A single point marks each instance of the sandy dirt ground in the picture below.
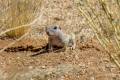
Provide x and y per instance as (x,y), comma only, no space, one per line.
(29,60)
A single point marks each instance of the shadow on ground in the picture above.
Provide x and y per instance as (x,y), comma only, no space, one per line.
(31,48)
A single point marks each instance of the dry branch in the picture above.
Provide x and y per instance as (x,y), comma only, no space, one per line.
(29,24)
(97,33)
(15,41)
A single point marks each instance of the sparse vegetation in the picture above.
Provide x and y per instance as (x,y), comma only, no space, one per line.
(17,13)
(106,25)
(19,18)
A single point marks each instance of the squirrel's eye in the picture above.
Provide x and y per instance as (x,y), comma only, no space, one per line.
(55,27)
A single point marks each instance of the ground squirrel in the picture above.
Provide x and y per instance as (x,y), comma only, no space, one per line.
(56,37)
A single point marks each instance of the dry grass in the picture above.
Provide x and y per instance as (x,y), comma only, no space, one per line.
(108,34)
(18,13)
(30,25)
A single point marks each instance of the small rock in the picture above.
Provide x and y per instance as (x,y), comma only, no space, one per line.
(43,67)
(30,67)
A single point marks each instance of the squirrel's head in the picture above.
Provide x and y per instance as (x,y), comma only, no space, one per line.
(53,30)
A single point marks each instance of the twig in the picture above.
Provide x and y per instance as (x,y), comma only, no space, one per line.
(100,40)
(30,24)
(15,41)
(92,26)
(26,25)
(116,37)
